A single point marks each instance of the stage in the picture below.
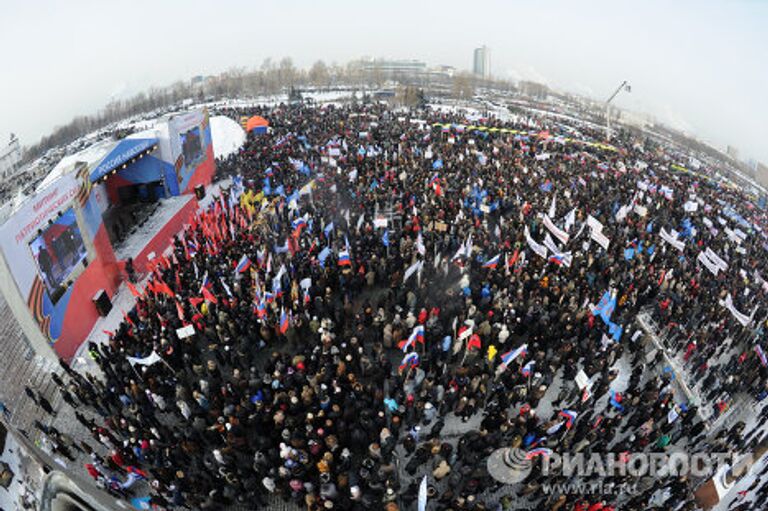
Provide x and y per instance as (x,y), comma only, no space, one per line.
(154,236)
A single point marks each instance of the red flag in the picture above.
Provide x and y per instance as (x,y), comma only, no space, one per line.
(474,342)
(162,287)
(196,301)
(180,311)
(209,296)
(132,288)
(514,258)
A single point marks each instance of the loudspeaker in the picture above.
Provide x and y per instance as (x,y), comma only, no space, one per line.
(200,192)
(102,302)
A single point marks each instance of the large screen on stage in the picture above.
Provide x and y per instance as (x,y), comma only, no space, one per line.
(57,250)
(191,145)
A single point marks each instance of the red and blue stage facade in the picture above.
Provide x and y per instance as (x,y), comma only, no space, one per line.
(56,249)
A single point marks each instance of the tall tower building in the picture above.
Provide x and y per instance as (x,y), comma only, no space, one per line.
(482,62)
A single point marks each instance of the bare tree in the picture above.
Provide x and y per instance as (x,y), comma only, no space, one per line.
(319,74)
(463,86)
(286,72)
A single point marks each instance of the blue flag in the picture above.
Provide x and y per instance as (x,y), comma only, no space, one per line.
(605,308)
(615,331)
(323,255)
(385,238)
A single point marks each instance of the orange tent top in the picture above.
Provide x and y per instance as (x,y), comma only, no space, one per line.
(256,121)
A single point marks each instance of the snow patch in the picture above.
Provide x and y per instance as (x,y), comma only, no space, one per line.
(228,136)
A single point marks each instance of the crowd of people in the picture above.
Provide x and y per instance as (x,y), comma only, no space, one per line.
(382,296)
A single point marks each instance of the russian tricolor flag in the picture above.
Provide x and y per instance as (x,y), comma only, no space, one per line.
(207,284)
(557,259)
(409,360)
(298,225)
(569,416)
(510,356)
(260,309)
(492,262)
(243,264)
(418,334)
(405,344)
(528,368)
(344,258)
(283,322)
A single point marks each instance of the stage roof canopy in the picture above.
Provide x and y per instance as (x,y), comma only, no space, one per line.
(121,154)
(105,156)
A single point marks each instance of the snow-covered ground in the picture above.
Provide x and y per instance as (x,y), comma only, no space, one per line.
(25,473)
(228,136)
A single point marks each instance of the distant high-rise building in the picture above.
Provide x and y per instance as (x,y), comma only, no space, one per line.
(482,62)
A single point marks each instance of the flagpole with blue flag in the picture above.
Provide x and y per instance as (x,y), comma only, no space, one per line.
(385,240)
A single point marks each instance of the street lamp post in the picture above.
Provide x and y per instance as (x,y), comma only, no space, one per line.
(624,86)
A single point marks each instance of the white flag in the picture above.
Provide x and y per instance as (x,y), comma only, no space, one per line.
(570,219)
(622,213)
(691,206)
(152,358)
(420,245)
(552,208)
(423,494)
(412,269)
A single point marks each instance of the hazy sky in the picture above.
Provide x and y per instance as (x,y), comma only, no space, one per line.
(697,65)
